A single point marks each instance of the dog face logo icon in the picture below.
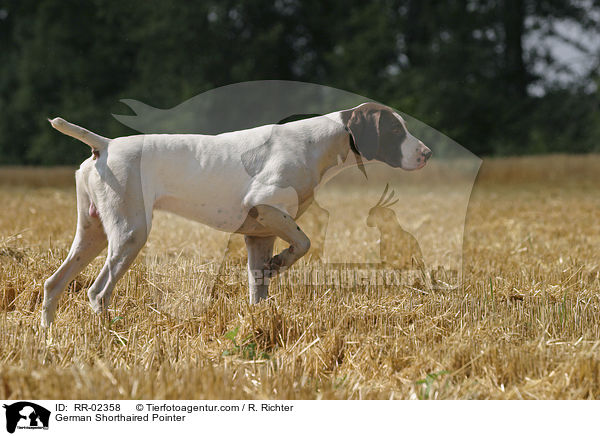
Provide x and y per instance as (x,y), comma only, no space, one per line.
(26,415)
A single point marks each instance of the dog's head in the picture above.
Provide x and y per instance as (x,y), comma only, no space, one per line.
(380,134)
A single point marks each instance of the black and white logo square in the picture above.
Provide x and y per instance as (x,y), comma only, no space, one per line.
(26,415)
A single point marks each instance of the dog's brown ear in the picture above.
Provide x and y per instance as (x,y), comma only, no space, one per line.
(376,132)
(363,125)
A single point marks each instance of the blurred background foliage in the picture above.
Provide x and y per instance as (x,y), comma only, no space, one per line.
(498,76)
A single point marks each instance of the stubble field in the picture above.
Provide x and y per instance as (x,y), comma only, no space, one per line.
(523,325)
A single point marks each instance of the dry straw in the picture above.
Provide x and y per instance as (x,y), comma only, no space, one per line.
(524,325)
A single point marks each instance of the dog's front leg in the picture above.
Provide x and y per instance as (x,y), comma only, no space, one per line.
(284,226)
(260,250)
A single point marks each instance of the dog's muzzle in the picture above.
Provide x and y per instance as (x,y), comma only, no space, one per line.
(423,155)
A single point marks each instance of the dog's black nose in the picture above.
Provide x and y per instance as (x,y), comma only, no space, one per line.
(427,154)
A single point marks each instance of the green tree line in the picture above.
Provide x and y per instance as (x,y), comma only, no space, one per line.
(481,71)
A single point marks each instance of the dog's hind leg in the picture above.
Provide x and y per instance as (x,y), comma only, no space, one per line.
(284,226)
(126,237)
(88,243)
(260,250)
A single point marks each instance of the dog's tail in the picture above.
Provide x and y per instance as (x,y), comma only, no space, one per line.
(97,142)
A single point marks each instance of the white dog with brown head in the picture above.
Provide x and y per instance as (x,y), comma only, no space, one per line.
(255,182)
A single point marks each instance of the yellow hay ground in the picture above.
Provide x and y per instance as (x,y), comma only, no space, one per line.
(525,323)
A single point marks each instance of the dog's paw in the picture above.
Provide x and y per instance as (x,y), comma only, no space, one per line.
(273,266)
(45,320)
(47,315)
(97,305)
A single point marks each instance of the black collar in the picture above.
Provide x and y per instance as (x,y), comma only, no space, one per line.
(359,161)
(352,144)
